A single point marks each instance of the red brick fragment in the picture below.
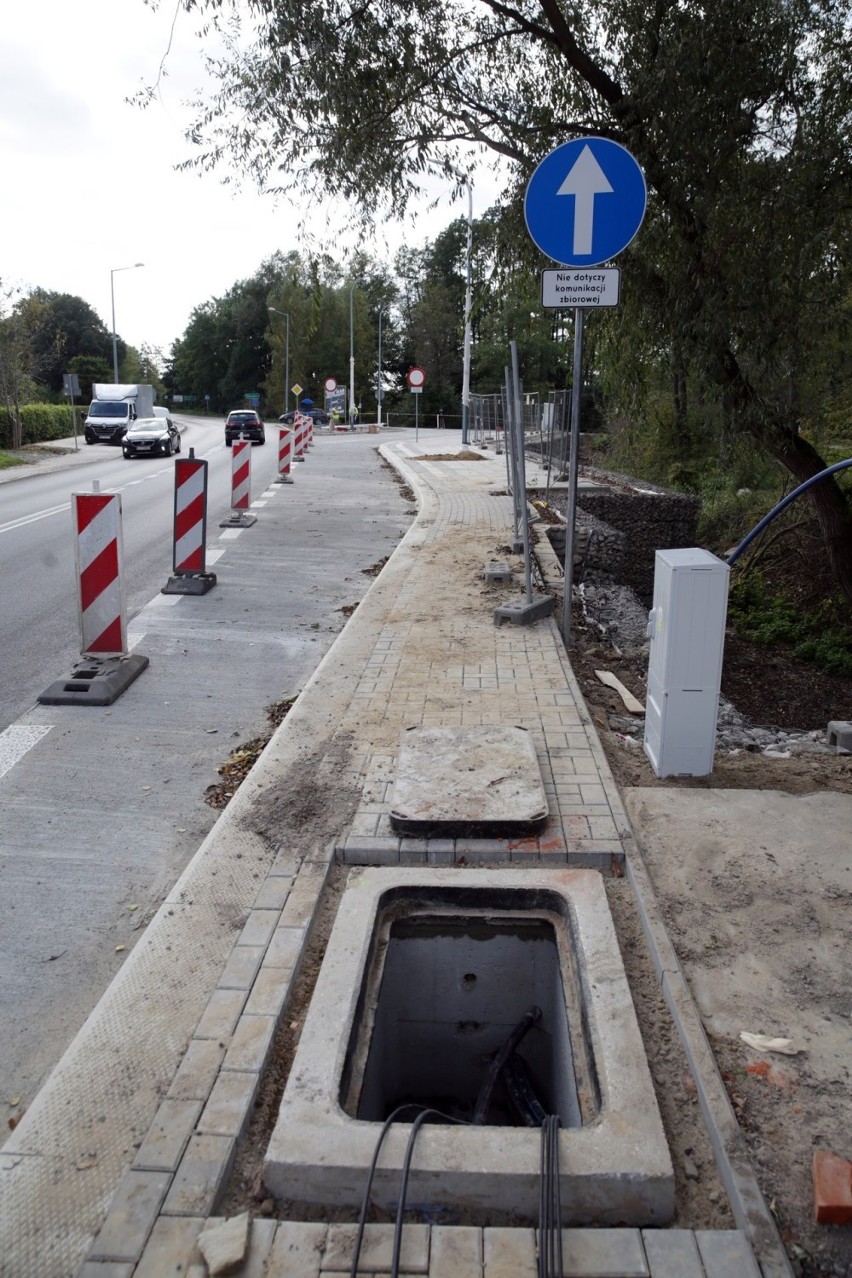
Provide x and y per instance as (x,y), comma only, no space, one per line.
(832,1188)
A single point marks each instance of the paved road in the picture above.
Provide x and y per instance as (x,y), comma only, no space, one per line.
(99,817)
(39,632)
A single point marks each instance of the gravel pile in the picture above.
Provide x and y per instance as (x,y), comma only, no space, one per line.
(619,615)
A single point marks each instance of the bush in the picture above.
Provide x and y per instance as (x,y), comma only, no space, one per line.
(821,635)
(40,422)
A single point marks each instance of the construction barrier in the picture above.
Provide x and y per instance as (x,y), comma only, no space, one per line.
(240,486)
(299,438)
(190,530)
(241,474)
(100,593)
(105,668)
(285,453)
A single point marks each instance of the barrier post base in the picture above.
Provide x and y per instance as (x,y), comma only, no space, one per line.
(524,614)
(197,583)
(95,681)
(239,519)
(284,479)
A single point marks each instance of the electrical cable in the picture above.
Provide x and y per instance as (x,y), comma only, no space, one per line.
(522,1097)
(365,1201)
(531,1017)
(548,1204)
(403,1189)
(550,1207)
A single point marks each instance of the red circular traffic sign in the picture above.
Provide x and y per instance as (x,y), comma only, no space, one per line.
(415,377)
(330,384)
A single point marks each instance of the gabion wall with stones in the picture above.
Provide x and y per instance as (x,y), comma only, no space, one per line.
(651,519)
(606,555)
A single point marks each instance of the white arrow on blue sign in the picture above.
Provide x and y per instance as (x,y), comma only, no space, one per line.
(585,202)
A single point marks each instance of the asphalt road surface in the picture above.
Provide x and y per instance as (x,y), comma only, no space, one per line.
(101,808)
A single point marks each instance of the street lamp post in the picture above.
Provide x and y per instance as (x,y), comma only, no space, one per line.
(351,357)
(112,298)
(379,377)
(286,355)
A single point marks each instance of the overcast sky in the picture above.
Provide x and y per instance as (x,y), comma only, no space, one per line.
(89,182)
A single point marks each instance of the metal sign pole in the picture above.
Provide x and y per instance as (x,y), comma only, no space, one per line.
(511,453)
(571,513)
(521,470)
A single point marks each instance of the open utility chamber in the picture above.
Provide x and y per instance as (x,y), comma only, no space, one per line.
(433,978)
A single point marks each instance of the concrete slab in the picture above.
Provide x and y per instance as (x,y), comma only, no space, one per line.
(478,780)
(616,1168)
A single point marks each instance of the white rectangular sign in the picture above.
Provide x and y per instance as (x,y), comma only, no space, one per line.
(589,287)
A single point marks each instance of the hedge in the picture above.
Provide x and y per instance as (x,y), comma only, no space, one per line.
(41,421)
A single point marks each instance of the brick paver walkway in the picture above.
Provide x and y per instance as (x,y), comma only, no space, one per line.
(421,650)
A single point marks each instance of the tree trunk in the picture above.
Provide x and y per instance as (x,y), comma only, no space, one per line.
(780,437)
(830,503)
(679,402)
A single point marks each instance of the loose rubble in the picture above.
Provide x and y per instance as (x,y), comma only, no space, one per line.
(620,617)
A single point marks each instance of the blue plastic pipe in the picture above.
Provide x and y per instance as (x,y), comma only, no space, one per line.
(782,505)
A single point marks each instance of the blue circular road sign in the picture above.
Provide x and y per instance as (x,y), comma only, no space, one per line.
(585,202)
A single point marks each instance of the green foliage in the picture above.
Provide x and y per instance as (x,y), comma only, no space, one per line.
(62,326)
(736,316)
(822,635)
(40,422)
(7,460)
(89,369)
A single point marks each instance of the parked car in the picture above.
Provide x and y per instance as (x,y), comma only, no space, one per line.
(319,416)
(244,423)
(151,435)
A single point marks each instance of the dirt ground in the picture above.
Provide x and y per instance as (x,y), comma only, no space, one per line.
(762,926)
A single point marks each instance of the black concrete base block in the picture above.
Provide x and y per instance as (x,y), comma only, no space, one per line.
(284,479)
(95,681)
(197,584)
(524,614)
(241,520)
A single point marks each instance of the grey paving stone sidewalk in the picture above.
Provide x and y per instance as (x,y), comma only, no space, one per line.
(421,649)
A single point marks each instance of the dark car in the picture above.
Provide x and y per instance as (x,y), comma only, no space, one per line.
(151,436)
(244,423)
(318,415)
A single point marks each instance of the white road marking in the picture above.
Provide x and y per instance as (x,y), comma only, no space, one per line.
(213,555)
(34,517)
(17,740)
(134,638)
(230,534)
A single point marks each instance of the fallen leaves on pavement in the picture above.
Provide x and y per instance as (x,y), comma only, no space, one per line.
(239,763)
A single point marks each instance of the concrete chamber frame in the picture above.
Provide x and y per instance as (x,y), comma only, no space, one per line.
(486,946)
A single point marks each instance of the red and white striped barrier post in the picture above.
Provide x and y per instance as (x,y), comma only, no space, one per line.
(190,530)
(105,669)
(285,453)
(240,486)
(299,438)
(100,593)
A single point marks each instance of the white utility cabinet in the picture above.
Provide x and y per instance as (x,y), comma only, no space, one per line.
(686,627)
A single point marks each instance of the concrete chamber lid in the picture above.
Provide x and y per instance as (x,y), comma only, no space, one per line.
(480,780)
